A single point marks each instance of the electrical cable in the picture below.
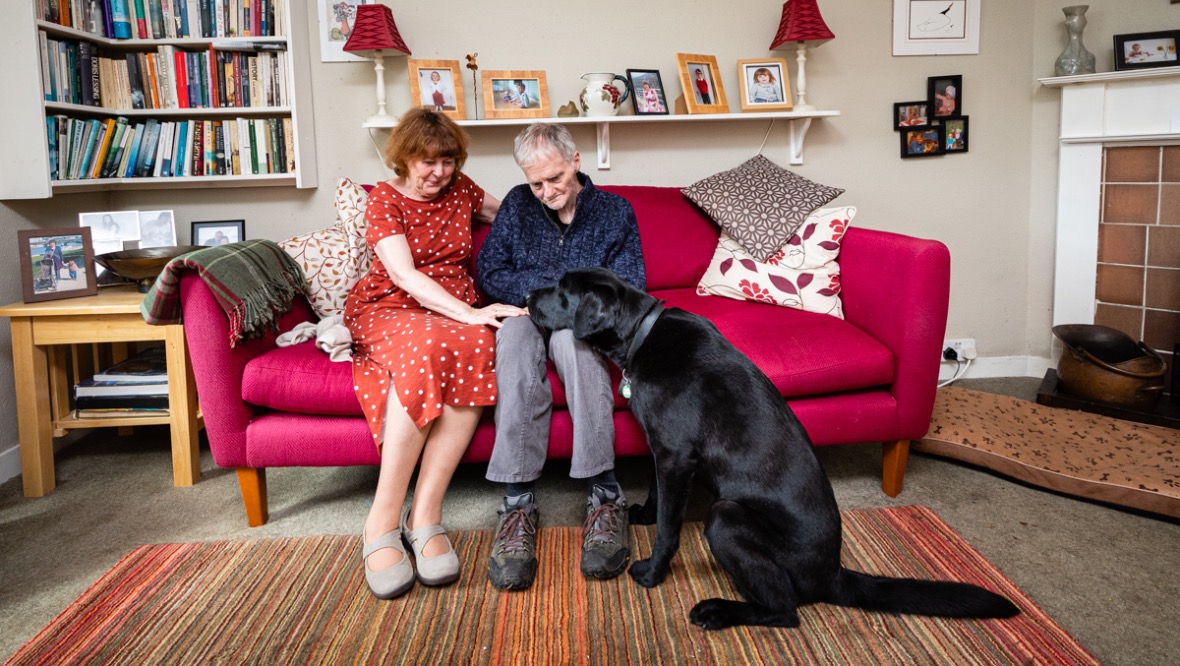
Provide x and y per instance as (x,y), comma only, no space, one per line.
(766,136)
(959,372)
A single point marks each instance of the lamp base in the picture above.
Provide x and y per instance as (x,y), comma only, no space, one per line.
(804,108)
(380,120)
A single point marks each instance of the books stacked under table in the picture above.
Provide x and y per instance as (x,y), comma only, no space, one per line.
(135,387)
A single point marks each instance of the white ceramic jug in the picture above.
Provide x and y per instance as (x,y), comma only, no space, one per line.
(602,96)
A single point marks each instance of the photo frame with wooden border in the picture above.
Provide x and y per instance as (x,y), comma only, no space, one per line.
(943,92)
(773,94)
(935,27)
(1146,50)
(910,114)
(923,141)
(504,90)
(645,103)
(692,99)
(956,132)
(438,85)
(218,232)
(69,275)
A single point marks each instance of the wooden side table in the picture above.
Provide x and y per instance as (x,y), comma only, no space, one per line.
(39,331)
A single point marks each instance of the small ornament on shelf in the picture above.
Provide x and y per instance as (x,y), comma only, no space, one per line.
(474,67)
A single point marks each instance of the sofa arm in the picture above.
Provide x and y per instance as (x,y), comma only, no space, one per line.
(218,368)
(897,289)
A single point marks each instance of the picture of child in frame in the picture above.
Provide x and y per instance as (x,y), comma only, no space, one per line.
(764,85)
(437,90)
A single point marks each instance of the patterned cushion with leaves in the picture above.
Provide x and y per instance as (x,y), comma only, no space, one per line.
(759,204)
(804,274)
(334,258)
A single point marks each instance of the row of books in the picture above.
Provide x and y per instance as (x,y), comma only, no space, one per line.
(75,72)
(114,148)
(167,19)
(137,386)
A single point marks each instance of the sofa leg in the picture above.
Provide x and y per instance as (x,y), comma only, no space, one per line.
(252,481)
(893,466)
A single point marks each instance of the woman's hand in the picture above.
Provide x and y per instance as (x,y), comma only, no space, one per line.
(492,314)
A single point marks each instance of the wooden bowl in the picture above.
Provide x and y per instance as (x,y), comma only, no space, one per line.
(142,266)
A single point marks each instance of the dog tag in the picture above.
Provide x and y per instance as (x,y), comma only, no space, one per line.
(625,388)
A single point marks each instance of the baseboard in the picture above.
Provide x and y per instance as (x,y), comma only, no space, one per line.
(10,458)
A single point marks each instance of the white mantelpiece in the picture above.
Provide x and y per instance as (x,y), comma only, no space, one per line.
(1139,107)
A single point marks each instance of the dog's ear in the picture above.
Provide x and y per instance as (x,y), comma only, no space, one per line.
(592,316)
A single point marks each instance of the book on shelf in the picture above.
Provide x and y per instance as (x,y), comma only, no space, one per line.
(120,20)
(148,366)
(91,387)
(119,413)
(121,401)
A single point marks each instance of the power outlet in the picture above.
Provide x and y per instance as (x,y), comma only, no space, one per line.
(959,349)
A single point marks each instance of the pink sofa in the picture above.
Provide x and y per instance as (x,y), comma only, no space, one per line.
(868,378)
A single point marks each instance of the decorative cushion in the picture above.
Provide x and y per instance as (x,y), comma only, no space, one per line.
(804,274)
(334,258)
(759,204)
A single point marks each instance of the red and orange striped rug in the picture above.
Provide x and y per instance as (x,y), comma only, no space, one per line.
(304,601)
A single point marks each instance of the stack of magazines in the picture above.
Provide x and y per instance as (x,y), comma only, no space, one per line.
(135,387)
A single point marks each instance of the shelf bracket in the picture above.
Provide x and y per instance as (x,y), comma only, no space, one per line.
(603,145)
(798,128)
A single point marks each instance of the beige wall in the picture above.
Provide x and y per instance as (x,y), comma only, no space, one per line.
(994,206)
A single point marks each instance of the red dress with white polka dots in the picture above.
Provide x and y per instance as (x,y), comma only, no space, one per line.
(429,358)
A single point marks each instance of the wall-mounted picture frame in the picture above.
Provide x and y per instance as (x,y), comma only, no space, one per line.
(438,85)
(764,84)
(910,114)
(56,263)
(955,132)
(944,94)
(935,27)
(157,228)
(218,232)
(112,225)
(647,92)
(336,18)
(923,141)
(1145,50)
(514,93)
(700,79)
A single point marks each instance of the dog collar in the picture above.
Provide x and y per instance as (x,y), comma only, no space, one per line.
(649,320)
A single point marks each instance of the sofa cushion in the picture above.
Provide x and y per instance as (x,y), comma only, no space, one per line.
(804,274)
(759,203)
(300,379)
(335,257)
(803,353)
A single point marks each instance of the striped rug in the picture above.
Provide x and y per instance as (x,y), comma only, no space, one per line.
(304,601)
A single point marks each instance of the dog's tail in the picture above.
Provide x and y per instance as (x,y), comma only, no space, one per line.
(918,597)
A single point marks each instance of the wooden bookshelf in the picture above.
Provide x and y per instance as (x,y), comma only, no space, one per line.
(281,108)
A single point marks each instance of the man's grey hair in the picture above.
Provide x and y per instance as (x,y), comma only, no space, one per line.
(540,140)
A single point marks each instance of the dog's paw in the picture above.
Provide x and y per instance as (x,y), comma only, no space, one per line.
(644,573)
(638,514)
(711,614)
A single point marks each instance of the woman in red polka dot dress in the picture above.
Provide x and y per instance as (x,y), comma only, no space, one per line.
(423,352)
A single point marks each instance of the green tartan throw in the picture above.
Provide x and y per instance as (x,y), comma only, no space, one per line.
(254,281)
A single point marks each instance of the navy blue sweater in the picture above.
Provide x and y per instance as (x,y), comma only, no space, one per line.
(526,249)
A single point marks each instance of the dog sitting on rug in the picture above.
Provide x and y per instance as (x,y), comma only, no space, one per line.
(711,415)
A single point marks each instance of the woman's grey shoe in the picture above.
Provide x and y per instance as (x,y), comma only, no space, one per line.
(605,548)
(392,581)
(513,564)
(436,570)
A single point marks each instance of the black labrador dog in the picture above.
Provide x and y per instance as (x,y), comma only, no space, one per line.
(711,415)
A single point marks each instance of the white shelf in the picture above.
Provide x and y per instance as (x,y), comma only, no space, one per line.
(1100,77)
(798,124)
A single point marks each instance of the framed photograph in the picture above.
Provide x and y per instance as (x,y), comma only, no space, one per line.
(647,92)
(56,263)
(1145,49)
(438,85)
(944,94)
(218,232)
(157,228)
(336,17)
(955,132)
(513,93)
(910,114)
(923,141)
(700,79)
(120,225)
(935,27)
(764,84)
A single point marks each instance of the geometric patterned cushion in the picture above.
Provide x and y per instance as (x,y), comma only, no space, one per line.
(334,258)
(759,204)
(804,274)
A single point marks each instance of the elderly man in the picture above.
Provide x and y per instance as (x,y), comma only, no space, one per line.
(555,222)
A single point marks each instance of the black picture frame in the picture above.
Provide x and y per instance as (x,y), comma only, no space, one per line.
(44,279)
(206,233)
(940,89)
(903,113)
(931,141)
(640,103)
(1146,50)
(956,132)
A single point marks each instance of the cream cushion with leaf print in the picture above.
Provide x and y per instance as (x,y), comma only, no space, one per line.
(334,258)
(804,274)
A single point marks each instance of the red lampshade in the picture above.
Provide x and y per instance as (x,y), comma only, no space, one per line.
(374,30)
(801,22)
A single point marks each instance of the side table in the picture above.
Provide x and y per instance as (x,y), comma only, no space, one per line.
(39,331)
